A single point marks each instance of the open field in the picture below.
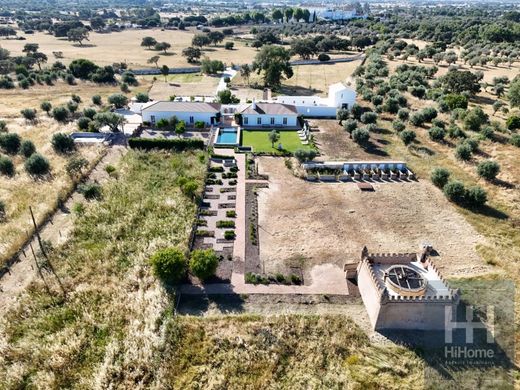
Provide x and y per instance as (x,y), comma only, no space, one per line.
(125,46)
(21,191)
(183,85)
(259,141)
(318,223)
(307,80)
(111,325)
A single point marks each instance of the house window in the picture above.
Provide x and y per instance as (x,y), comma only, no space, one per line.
(272,121)
(246,120)
(192,119)
(285,121)
(152,119)
(259,121)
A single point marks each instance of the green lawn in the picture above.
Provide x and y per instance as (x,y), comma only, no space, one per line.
(259,141)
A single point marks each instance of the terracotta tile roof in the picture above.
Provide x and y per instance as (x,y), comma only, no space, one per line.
(165,106)
(270,109)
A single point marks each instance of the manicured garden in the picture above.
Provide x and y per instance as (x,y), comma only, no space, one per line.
(259,141)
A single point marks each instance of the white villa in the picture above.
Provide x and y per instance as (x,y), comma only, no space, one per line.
(268,115)
(340,96)
(190,112)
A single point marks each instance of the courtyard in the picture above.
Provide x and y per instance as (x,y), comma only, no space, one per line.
(306,225)
(259,141)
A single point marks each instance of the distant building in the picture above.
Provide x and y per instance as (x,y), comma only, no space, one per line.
(190,112)
(340,96)
(402,290)
(271,115)
(337,14)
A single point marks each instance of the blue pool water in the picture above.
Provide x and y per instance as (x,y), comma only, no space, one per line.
(227,136)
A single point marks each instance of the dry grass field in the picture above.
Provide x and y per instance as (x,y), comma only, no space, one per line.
(183,85)
(317,223)
(21,191)
(125,46)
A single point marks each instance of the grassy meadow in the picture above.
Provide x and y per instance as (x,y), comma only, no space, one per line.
(259,141)
(109,327)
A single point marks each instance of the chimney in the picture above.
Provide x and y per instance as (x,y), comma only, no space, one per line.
(267,94)
(253,105)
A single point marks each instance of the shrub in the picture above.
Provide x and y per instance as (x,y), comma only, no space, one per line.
(78,208)
(488,169)
(190,188)
(6,166)
(96,99)
(142,97)
(177,144)
(118,100)
(10,143)
(369,117)
(199,124)
(37,165)
(361,136)
(229,235)
(456,101)
(75,166)
(513,122)
(90,191)
(89,113)
(3,126)
(83,123)
(110,169)
(417,119)
(203,263)
(62,143)
(454,191)
(463,152)
(476,196)
(407,136)
(231,214)
(350,125)
(29,114)
(403,114)
(169,265)
(225,224)
(440,177)
(487,132)
(229,45)
(303,155)
(515,140)
(429,113)
(437,134)
(455,131)
(60,114)
(27,148)
(377,100)
(474,119)
(398,125)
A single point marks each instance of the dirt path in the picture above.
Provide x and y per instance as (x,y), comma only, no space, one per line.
(57,231)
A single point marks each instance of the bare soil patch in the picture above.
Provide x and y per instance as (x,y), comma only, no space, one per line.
(316,223)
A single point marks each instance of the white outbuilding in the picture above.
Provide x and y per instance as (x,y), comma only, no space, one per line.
(189,112)
(269,115)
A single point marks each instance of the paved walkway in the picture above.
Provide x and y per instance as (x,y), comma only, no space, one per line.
(327,279)
(229,72)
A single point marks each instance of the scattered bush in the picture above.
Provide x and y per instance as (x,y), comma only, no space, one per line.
(303,155)
(10,143)
(475,196)
(203,263)
(6,166)
(463,152)
(90,191)
(75,166)
(429,113)
(361,136)
(398,125)
(3,126)
(169,265)
(515,140)
(96,99)
(417,119)
(437,134)
(369,117)
(29,114)
(403,114)
(440,177)
(229,235)
(350,125)
(62,143)
(513,122)
(407,136)
(118,100)
(3,212)
(488,169)
(454,191)
(27,148)
(83,123)
(60,114)
(37,165)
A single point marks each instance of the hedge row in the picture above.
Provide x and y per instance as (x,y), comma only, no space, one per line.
(177,144)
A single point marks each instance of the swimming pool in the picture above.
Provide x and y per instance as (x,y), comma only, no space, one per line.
(227,136)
